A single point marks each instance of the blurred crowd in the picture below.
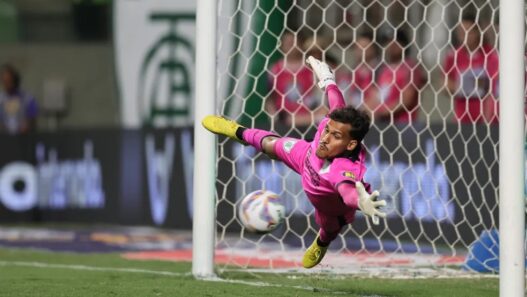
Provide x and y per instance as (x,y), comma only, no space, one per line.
(384,78)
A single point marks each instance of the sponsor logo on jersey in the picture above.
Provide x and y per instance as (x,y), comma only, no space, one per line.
(288,145)
(349,174)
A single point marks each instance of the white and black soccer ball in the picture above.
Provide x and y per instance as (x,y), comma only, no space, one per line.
(261,211)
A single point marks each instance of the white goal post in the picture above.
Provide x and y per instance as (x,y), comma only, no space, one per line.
(439,174)
(512,135)
(203,233)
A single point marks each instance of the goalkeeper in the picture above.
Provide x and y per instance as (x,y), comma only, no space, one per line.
(332,165)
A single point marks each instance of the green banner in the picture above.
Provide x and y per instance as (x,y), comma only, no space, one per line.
(268,24)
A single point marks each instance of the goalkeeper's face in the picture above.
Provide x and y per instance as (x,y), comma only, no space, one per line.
(335,140)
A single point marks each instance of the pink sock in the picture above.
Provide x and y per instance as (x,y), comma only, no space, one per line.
(254,137)
(327,237)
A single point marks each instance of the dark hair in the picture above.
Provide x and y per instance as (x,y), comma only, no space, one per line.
(366,34)
(402,38)
(329,58)
(14,74)
(299,35)
(399,35)
(359,121)
(469,16)
(360,125)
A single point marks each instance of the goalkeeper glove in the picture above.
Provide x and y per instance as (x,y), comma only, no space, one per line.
(322,71)
(368,205)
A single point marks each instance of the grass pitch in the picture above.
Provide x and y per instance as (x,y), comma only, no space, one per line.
(39,273)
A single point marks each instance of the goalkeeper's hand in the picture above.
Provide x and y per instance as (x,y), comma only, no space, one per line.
(368,205)
(322,71)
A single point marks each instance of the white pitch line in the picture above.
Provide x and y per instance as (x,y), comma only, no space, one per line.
(264,284)
(377,273)
(166,273)
(89,268)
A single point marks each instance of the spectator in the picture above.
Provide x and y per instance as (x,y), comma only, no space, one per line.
(18,109)
(395,97)
(471,71)
(366,55)
(292,99)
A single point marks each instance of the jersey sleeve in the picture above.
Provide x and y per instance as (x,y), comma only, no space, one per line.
(335,97)
(343,176)
(344,170)
(349,195)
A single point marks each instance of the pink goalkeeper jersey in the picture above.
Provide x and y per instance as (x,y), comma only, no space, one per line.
(321,178)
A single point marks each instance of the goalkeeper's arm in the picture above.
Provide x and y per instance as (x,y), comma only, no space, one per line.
(357,197)
(322,71)
(327,82)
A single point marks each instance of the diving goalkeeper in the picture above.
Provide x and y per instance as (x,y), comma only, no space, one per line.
(332,166)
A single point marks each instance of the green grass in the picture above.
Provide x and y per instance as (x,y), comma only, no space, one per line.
(67,274)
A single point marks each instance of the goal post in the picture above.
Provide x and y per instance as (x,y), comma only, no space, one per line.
(439,173)
(204,206)
(512,141)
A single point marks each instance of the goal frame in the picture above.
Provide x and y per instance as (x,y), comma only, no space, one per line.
(203,229)
(512,137)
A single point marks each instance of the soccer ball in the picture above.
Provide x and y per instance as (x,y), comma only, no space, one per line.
(261,211)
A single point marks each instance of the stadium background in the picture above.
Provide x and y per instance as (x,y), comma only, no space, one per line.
(115,83)
(100,124)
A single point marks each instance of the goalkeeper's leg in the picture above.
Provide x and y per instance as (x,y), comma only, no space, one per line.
(289,150)
(262,140)
(329,230)
(222,126)
(314,253)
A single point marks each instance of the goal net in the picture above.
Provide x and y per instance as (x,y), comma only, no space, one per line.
(432,148)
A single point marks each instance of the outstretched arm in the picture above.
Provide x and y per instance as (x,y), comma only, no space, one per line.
(335,97)
(327,82)
(349,195)
(357,197)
